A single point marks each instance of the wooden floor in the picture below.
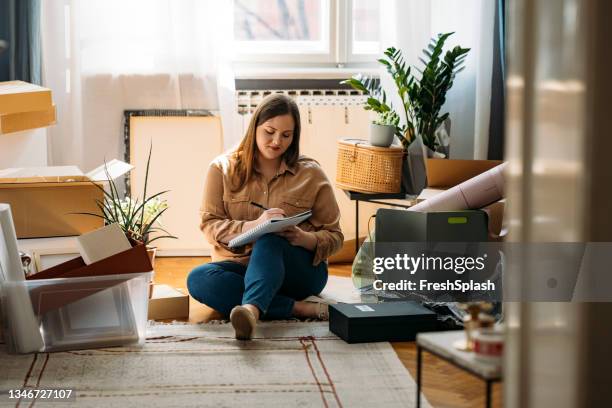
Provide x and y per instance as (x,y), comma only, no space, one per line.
(444,384)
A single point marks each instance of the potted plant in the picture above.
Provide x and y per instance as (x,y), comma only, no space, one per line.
(386,125)
(139,218)
(422,99)
(383,129)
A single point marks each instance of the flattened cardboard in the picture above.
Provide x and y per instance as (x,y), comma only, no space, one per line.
(445,173)
(168,303)
(19,96)
(16,122)
(53,296)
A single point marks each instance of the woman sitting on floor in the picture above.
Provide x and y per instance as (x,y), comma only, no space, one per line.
(270,278)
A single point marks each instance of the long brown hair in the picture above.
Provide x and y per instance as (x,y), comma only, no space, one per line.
(246,153)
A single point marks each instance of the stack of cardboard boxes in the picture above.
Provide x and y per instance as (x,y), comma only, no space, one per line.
(47,203)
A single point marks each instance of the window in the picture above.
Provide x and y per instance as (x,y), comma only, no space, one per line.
(365,27)
(281,27)
(314,31)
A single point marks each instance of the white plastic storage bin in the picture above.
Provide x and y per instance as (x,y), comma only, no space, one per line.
(75,313)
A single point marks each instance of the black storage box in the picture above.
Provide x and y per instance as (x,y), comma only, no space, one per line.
(390,321)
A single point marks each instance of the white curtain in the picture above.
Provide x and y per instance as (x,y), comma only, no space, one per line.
(102,57)
(410,24)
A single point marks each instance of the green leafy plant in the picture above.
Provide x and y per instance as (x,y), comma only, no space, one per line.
(429,93)
(138,218)
(387,118)
(422,98)
(370,86)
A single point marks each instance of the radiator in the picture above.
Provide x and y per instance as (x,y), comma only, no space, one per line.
(326,116)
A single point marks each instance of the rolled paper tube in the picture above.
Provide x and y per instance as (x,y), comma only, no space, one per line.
(477,192)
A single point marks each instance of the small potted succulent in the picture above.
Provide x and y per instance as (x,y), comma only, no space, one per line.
(383,129)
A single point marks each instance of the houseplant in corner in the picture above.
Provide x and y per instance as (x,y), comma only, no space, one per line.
(421,98)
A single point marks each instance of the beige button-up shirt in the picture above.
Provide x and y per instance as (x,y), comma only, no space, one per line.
(294,189)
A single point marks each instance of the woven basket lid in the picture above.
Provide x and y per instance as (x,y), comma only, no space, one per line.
(365,144)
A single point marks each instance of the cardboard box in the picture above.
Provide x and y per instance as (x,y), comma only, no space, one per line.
(445,173)
(44,201)
(15,122)
(168,303)
(19,96)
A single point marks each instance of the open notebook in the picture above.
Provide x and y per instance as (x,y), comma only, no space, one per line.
(274,225)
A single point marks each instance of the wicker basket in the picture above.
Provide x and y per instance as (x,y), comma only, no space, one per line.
(368,169)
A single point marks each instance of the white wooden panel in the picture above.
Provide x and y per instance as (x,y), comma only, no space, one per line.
(183,148)
(24,149)
(320,136)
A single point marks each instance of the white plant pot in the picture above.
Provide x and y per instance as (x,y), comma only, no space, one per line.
(381,135)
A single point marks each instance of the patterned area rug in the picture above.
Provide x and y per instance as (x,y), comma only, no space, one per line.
(289,364)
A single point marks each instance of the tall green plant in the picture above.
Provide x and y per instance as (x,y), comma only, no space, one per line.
(138,219)
(422,98)
(429,93)
(404,80)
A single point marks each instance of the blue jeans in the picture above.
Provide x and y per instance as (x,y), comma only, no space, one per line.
(277,275)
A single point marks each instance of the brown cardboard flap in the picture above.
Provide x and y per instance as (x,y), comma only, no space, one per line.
(495,213)
(446,173)
(49,297)
(48,174)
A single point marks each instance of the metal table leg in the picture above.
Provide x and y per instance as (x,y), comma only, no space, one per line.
(489,387)
(356,226)
(419,364)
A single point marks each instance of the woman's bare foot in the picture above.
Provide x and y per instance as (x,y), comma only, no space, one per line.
(310,310)
(244,319)
(253,309)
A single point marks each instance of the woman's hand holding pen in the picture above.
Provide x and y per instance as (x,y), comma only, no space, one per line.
(268,214)
(298,237)
(295,235)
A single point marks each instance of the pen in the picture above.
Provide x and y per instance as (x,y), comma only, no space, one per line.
(259,205)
